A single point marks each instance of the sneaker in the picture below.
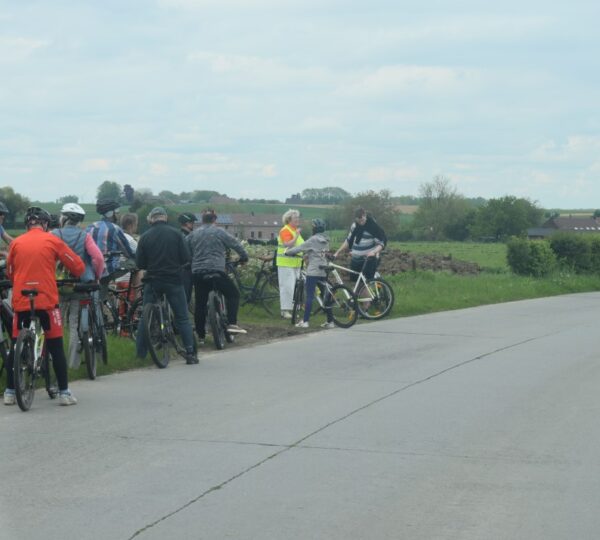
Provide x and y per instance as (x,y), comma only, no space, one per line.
(190,358)
(286,315)
(66,398)
(235,329)
(328,325)
(9,397)
(302,324)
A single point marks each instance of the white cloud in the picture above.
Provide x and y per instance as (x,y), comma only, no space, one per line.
(97,164)
(576,148)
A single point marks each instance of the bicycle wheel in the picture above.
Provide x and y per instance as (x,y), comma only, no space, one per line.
(215,320)
(24,369)
(110,316)
(268,295)
(343,305)
(47,371)
(3,354)
(375,299)
(131,324)
(299,301)
(158,345)
(101,343)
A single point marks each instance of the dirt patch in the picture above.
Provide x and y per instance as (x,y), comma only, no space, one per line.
(395,261)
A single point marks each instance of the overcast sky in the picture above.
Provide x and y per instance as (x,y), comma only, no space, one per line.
(264,98)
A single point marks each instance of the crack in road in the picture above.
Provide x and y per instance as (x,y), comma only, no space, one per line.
(298,443)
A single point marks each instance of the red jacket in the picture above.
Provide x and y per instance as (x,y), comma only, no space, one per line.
(31,264)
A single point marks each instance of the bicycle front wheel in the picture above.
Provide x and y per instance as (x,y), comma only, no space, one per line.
(24,369)
(269,293)
(50,380)
(215,319)
(375,299)
(343,305)
(156,340)
(299,301)
(131,325)
(89,353)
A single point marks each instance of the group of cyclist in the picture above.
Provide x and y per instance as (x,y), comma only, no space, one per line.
(173,262)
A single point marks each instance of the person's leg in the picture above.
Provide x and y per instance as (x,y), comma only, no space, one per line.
(232,298)
(56,351)
(202,289)
(326,301)
(140,339)
(74,357)
(177,300)
(287,280)
(311,282)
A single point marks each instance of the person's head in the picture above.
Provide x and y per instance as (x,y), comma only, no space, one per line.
(54,222)
(360,216)
(3,211)
(318,226)
(129,223)
(36,217)
(157,214)
(209,216)
(72,214)
(108,208)
(291,217)
(187,220)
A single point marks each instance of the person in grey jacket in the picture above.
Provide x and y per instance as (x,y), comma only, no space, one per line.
(315,249)
(208,245)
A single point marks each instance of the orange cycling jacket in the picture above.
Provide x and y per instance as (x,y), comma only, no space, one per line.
(31,264)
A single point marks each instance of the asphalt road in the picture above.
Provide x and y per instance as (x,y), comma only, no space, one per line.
(474,424)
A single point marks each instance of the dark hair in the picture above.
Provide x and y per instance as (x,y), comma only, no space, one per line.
(359,212)
(128,220)
(209,216)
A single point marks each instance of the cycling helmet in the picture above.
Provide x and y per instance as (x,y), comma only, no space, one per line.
(187,217)
(54,222)
(3,208)
(318,225)
(104,206)
(73,212)
(36,215)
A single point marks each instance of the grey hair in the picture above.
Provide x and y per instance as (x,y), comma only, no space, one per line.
(287,217)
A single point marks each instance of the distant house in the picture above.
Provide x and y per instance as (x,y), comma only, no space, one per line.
(573,224)
(259,227)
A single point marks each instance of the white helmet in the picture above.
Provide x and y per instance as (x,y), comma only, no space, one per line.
(73,212)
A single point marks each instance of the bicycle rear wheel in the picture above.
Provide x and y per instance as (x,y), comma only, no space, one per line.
(268,295)
(343,305)
(50,380)
(110,316)
(299,301)
(215,320)
(131,325)
(24,369)
(156,341)
(89,354)
(375,299)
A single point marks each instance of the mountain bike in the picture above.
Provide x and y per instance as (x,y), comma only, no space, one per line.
(375,296)
(338,298)
(217,313)
(6,321)
(32,359)
(265,289)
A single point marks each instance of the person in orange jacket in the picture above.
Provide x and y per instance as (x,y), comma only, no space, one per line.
(31,264)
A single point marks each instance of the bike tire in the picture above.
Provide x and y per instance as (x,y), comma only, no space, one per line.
(156,341)
(268,295)
(131,325)
(4,348)
(215,320)
(89,354)
(381,297)
(299,301)
(50,380)
(343,305)
(110,316)
(101,343)
(24,369)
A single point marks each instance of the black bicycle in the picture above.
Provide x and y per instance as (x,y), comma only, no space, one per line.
(217,313)
(32,359)
(265,289)
(6,322)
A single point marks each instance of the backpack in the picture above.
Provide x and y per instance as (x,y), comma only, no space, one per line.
(62,272)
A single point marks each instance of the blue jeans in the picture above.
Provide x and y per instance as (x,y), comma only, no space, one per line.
(175,294)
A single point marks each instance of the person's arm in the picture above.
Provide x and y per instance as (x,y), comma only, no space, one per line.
(185,255)
(9,262)
(6,237)
(305,246)
(95,254)
(141,261)
(292,237)
(230,242)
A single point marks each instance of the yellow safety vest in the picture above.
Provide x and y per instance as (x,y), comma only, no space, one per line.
(282,258)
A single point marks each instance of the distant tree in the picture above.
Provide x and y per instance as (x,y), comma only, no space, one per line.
(596,213)
(505,217)
(296,198)
(203,195)
(167,195)
(17,204)
(128,193)
(68,199)
(109,190)
(442,211)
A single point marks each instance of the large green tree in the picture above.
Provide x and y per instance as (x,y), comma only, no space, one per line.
(442,213)
(109,190)
(17,204)
(505,217)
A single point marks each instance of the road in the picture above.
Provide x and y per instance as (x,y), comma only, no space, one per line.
(473,424)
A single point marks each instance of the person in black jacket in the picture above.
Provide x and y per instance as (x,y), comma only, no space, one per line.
(365,240)
(163,252)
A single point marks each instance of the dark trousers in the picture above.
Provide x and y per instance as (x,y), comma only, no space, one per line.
(176,297)
(356,264)
(202,288)
(311,283)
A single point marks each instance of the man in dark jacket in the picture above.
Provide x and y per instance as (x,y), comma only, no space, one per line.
(366,239)
(162,252)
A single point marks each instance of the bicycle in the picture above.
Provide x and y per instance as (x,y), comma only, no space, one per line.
(6,322)
(32,359)
(120,312)
(217,313)
(338,298)
(375,296)
(158,328)
(264,290)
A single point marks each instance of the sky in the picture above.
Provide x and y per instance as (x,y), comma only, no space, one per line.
(265,98)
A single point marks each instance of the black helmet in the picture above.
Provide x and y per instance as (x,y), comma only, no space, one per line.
(318,225)
(3,208)
(104,206)
(54,222)
(187,217)
(37,215)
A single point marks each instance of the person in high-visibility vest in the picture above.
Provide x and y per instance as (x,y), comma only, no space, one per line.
(288,267)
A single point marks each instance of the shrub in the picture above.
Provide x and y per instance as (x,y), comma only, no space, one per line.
(530,257)
(573,251)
